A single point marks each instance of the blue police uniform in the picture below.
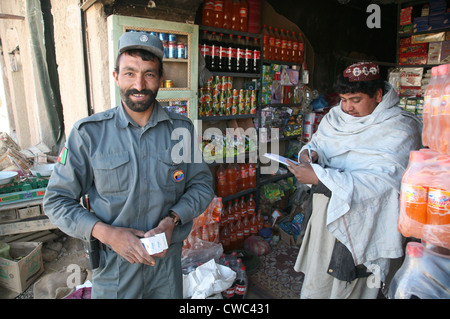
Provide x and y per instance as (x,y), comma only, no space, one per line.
(132,181)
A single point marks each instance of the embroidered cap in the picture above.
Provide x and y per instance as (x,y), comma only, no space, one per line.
(141,40)
(362,71)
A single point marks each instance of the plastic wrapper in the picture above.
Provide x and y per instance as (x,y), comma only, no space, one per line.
(423,275)
(202,244)
(207,280)
(199,252)
(438,235)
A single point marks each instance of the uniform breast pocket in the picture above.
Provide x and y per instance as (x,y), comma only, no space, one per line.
(112,173)
(171,176)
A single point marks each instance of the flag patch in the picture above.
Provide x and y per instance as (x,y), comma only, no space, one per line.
(63,156)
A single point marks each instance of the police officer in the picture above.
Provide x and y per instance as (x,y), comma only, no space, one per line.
(122,159)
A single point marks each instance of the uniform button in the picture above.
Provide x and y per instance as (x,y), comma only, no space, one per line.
(330,270)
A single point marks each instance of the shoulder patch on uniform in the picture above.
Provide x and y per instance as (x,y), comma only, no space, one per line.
(63,156)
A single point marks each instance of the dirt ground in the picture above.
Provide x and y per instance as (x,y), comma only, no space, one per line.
(60,256)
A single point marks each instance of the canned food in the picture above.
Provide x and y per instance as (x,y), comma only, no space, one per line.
(168,83)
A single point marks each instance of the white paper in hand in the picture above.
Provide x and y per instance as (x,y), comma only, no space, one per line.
(155,244)
(278,158)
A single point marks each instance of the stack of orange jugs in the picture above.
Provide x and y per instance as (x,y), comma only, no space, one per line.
(239,221)
(425,189)
(282,45)
(226,14)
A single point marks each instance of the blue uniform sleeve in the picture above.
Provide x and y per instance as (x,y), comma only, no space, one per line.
(70,180)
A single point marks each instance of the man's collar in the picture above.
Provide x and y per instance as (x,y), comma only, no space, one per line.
(158,115)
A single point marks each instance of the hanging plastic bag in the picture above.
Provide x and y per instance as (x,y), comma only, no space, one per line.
(207,280)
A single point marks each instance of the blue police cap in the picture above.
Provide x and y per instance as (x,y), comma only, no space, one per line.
(141,40)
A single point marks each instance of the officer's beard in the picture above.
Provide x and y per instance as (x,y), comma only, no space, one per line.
(138,106)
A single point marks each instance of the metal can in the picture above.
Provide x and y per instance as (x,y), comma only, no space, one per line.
(172,37)
(166,49)
(172,50)
(180,50)
(168,83)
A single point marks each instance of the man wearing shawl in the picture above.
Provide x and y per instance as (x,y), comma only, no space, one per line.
(358,156)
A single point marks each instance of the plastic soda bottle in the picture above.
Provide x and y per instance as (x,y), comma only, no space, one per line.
(239,234)
(236,6)
(208,12)
(253,225)
(241,284)
(205,233)
(266,44)
(246,223)
(233,236)
(229,292)
(227,12)
(244,176)
(295,48)
(230,213)
(301,48)
(260,220)
(221,182)
(243,16)
(251,205)
(444,119)
(243,207)
(288,46)
(414,194)
(218,209)
(272,43)
(283,45)
(224,217)
(438,212)
(251,175)
(436,97)
(237,210)
(277,51)
(231,180)
(408,272)
(218,14)
(429,91)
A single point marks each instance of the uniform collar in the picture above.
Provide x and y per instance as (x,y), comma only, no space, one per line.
(158,115)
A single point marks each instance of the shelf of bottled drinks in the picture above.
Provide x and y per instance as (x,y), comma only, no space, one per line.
(232,49)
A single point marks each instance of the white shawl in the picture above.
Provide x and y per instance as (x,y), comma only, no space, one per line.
(362,160)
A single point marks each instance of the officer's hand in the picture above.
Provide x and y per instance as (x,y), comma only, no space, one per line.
(124,241)
(166,226)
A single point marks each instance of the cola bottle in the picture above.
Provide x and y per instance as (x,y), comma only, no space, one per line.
(225,54)
(248,56)
(232,64)
(240,284)
(229,292)
(205,49)
(240,50)
(256,56)
(215,52)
